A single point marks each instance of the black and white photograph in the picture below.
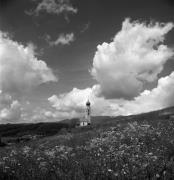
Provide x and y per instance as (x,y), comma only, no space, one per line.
(86,89)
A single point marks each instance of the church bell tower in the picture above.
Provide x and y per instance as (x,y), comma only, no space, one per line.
(86,119)
(88,112)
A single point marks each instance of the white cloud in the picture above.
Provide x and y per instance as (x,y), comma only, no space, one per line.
(63,39)
(20,70)
(53,7)
(136,55)
(160,97)
(73,102)
(10,110)
(5,99)
(40,114)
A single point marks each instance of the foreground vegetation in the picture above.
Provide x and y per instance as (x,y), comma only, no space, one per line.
(127,150)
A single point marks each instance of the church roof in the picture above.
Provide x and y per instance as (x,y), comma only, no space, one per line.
(88,103)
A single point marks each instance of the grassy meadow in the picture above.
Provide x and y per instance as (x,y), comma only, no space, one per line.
(134,147)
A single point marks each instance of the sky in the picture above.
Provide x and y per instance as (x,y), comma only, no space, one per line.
(57,54)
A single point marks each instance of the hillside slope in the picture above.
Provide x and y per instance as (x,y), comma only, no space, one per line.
(125,147)
(51,128)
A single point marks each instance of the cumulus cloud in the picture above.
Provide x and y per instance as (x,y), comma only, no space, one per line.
(10,110)
(46,115)
(5,99)
(73,102)
(20,70)
(53,7)
(160,97)
(63,39)
(136,55)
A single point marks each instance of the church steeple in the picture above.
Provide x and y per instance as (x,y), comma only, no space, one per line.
(88,112)
(88,103)
(86,120)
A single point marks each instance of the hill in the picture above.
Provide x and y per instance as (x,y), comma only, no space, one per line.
(125,147)
(152,117)
(51,128)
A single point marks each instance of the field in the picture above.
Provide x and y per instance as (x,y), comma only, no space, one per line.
(133,147)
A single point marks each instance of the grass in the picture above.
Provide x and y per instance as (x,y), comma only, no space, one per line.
(140,148)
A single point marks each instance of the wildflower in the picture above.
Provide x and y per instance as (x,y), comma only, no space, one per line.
(50,153)
(109,170)
(155,157)
(5,158)
(6,167)
(115,174)
(13,152)
(73,154)
(157,175)
(26,149)
(39,158)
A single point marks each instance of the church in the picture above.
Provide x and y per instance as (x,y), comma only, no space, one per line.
(86,120)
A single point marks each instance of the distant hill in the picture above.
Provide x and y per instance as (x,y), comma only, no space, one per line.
(19,130)
(149,117)
(51,128)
